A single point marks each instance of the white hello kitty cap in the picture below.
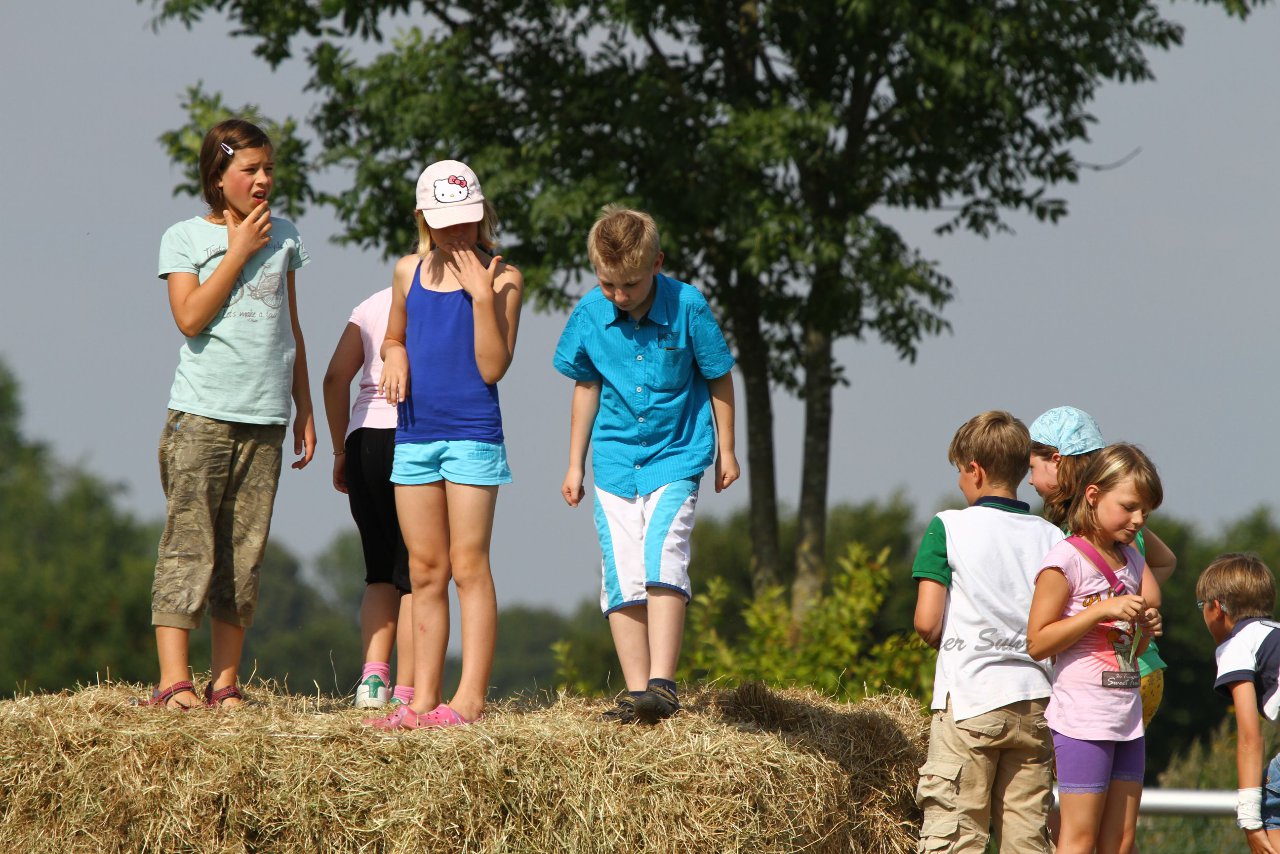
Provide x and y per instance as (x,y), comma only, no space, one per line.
(449,193)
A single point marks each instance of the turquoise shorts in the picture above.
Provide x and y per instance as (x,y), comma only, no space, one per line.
(455,460)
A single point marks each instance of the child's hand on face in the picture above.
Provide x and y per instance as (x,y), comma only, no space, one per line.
(246,236)
(475,277)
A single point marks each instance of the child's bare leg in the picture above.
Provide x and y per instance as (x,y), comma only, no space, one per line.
(666,632)
(378,611)
(424,523)
(404,642)
(1081,817)
(173,647)
(1120,818)
(630,630)
(228,643)
(470,530)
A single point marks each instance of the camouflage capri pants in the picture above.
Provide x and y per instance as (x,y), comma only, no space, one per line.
(220,480)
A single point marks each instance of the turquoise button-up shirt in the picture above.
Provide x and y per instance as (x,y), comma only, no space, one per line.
(655,424)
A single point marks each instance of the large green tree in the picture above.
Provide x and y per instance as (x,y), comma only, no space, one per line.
(770,140)
(76,571)
(74,568)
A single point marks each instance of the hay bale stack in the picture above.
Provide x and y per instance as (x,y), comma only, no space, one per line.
(747,769)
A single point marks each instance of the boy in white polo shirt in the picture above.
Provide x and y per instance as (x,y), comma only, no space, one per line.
(989,767)
(1236,595)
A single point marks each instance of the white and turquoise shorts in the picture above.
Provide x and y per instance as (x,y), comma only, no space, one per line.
(644,542)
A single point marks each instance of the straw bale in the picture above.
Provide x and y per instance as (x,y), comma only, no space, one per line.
(748,769)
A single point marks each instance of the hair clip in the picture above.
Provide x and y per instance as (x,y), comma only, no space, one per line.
(228,149)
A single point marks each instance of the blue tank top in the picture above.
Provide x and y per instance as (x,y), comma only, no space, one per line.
(447,399)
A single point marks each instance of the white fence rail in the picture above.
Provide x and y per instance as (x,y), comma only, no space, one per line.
(1187,802)
(1183,802)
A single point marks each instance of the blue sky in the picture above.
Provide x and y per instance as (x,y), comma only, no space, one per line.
(1151,305)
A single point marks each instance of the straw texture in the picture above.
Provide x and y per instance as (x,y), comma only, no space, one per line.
(748,769)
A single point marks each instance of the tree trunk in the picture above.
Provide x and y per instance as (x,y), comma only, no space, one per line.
(811,522)
(753,362)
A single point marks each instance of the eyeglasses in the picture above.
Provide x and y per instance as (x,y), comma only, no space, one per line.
(1200,603)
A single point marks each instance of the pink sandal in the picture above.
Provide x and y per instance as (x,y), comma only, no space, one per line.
(214,699)
(162,698)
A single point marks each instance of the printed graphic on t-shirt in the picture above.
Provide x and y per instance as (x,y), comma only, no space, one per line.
(265,289)
(262,285)
(1116,655)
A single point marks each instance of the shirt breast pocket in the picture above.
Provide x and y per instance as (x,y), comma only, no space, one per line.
(671,368)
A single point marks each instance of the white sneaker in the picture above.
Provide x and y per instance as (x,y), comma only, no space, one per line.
(372,692)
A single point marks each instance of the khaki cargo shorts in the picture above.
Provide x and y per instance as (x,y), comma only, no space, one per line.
(220,481)
(989,773)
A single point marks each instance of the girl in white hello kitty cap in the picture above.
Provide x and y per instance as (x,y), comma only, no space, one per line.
(450,338)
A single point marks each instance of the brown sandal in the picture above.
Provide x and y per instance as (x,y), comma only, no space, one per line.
(162,698)
(214,699)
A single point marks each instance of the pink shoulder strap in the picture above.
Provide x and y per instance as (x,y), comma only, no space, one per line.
(1086,548)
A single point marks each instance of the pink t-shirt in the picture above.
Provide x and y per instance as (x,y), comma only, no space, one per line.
(1080,706)
(371,408)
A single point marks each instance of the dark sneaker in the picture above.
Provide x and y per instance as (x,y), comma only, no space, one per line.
(624,712)
(656,704)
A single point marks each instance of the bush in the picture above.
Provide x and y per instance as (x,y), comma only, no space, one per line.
(1205,764)
(835,650)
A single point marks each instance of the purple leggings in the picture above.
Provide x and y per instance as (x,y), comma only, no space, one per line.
(1090,766)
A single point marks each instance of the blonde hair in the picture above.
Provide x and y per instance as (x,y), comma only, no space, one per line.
(996,441)
(622,240)
(1070,470)
(1241,583)
(1110,467)
(486,234)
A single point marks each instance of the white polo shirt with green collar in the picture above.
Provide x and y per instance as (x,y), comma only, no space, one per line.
(987,556)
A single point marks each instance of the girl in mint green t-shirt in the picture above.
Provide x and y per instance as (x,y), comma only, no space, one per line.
(241,369)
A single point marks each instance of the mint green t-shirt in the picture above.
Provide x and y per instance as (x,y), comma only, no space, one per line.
(240,366)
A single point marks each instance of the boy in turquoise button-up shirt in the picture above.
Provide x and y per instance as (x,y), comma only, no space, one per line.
(651,369)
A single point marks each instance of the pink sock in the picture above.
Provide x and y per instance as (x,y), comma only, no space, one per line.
(381,668)
(403,693)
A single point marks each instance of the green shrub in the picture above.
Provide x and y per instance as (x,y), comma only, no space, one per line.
(1205,764)
(835,650)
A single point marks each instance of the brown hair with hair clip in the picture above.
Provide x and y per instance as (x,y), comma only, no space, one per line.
(218,150)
